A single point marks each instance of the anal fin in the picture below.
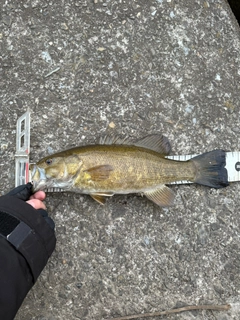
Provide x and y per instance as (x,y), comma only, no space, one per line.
(162,196)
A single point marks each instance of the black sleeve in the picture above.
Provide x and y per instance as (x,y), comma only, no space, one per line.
(27,240)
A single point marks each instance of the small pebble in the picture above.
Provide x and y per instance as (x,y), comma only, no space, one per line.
(112,125)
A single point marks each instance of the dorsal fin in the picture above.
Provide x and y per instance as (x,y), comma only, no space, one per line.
(114,139)
(155,142)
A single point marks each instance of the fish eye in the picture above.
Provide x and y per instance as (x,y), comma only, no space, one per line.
(48,161)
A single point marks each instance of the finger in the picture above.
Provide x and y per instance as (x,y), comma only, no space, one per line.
(41,195)
(37,204)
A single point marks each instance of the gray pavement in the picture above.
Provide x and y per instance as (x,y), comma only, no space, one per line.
(129,68)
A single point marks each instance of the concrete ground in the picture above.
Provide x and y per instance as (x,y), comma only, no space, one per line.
(129,68)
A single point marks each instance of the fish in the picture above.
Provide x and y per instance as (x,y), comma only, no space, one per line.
(119,166)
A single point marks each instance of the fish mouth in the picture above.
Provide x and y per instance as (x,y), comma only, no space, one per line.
(38,178)
(41,181)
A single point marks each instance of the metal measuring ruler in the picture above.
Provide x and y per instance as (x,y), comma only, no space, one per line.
(22,149)
(22,174)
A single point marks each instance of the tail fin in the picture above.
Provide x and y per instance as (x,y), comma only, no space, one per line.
(210,169)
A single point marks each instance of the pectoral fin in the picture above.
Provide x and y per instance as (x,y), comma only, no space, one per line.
(163,196)
(101,197)
(99,173)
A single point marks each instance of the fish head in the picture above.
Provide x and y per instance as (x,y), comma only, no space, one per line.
(56,171)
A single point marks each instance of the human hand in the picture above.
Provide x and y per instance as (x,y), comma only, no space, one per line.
(26,225)
(24,192)
(27,240)
(36,200)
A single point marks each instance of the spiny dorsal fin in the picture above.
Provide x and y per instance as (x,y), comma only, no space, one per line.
(162,196)
(114,139)
(155,142)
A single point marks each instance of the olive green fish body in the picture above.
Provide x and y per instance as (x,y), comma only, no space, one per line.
(127,169)
(121,167)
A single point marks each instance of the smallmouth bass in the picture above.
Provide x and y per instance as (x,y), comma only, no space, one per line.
(118,166)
